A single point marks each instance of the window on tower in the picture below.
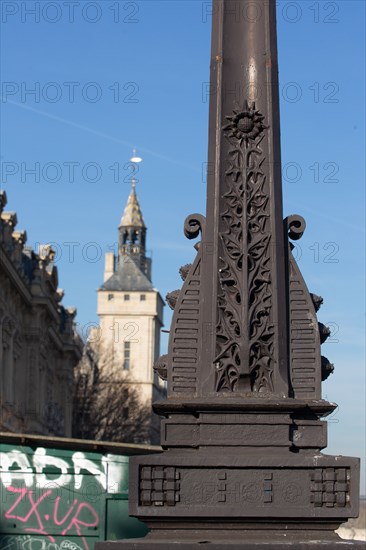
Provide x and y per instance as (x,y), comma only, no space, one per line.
(110,296)
(126,355)
(142,297)
(126,297)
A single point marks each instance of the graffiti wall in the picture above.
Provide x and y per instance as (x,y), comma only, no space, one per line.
(56,499)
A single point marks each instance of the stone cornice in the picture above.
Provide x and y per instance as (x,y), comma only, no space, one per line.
(14,276)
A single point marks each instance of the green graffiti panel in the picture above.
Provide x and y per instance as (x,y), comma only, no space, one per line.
(57,499)
(118,523)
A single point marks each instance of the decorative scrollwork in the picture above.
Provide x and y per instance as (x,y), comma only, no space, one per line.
(172,298)
(193,225)
(245,212)
(317,301)
(327,368)
(160,367)
(296,226)
(184,270)
(261,330)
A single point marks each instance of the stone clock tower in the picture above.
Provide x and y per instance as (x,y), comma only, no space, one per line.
(131,312)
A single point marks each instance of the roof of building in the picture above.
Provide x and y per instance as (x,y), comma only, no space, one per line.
(128,277)
(132,216)
(34,277)
(78,444)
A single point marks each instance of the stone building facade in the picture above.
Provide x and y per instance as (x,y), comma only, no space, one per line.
(38,343)
(131,312)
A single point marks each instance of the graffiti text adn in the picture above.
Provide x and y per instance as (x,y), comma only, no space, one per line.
(53,497)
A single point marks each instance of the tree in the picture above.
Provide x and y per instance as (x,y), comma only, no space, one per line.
(105,406)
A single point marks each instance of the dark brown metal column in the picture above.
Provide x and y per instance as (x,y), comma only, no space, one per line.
(244,206)
(242,466)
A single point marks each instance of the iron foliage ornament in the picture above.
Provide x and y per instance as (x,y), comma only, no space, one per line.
(245,219)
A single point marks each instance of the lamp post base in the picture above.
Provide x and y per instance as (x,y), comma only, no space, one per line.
(175,539)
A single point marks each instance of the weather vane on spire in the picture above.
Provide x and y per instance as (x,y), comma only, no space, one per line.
(135,160)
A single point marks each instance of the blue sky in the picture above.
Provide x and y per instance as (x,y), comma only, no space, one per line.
(111,75)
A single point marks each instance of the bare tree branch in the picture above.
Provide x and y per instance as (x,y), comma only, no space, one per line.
(105,406)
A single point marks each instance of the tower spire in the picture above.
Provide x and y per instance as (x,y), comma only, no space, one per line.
(132,228)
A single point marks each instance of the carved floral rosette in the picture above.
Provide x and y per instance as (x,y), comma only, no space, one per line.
(245,362)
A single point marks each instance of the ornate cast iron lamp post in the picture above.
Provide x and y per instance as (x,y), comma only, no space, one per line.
(243,434)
